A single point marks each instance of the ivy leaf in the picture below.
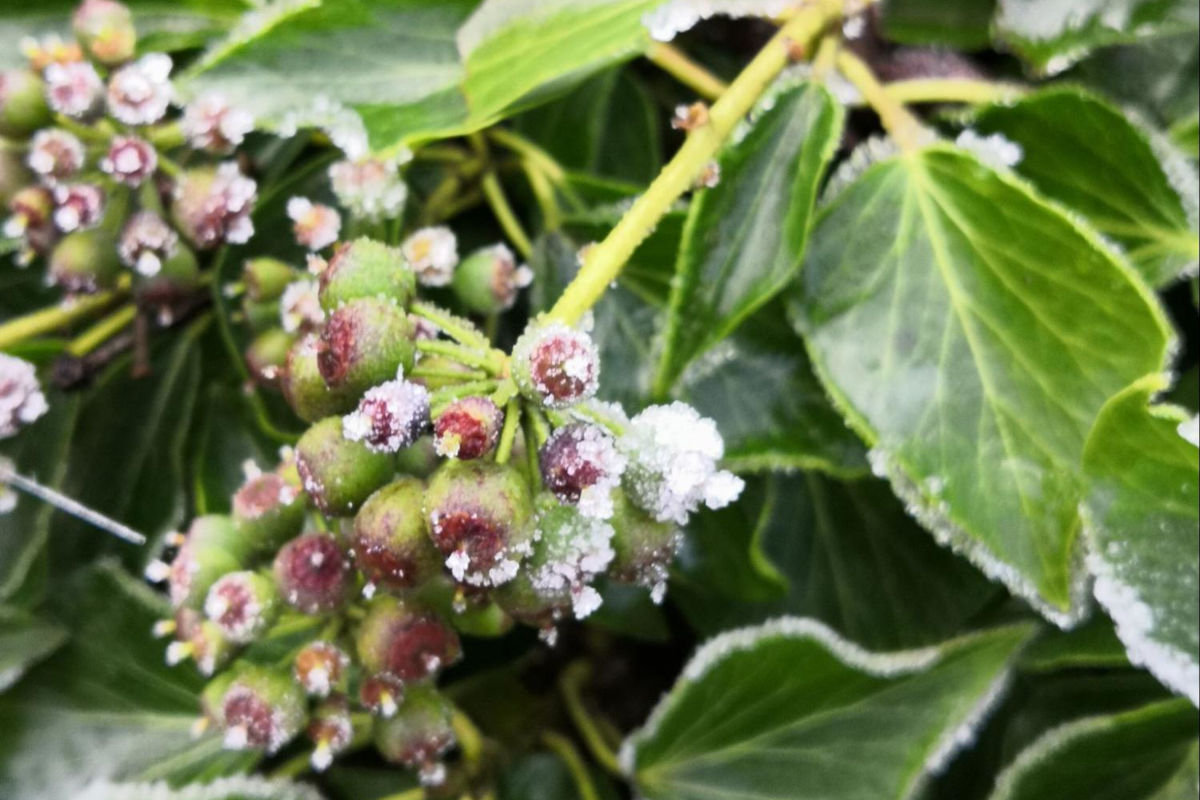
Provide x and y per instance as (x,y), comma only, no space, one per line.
(1146,754)
(236,788)
(1051,35)
(970,333)
(963,24)
(1142,525)
(1158,77)
(842,552)
(1128,182)
(24,640)
(1093,644)
(382,73)
(744,239)
(769,406)
(790,709)
(106,708)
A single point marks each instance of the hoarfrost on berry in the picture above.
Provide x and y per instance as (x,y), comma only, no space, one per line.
(130,160)
(580,464)
(370,188)
(433,254)
(21,398)
(139,93)
(300,306)
(389,417)
(55,154)
(316,225)
(73,88)
(78,206)
(556,365)
(146,241)
(210,124)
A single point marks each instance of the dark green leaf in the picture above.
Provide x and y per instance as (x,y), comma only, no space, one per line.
(791,710)
(744,239)
(1160,78)
(542,776)
(1142,526)
(971,332)
(24,640)
(961,24)
(1093,644)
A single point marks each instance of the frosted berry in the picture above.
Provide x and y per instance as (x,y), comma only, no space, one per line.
(21,398)
(77,206)
(242,605)
(419,734)
(555,365)
(23,107)
(369,188)
(32,210)
(305,389)
(139,93)
(389,417)
(268,510)
(580,465)
(364,343)
(404,641)
(487,281)
(130,160)
(85,262)
(339,474)
(433,255)
(266,356)
(262,710)
(330,730)
(381,695)
(265,278)
(313,574)
(206,645)
(389,541)
(55,154)
(299,307)
(320,667)
(211,548)
(212,206)
(643,547)
(74,89)
(105,30)
(315,225)
(147,242)
(468,428)
(479,517)
(210,124)
(366,268)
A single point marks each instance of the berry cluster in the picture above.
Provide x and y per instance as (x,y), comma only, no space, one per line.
(442,483)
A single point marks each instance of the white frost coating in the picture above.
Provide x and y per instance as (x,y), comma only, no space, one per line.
(1190,431)
(21,398)
(370,188)
(316,225)
(343,125)
(1180,173)
(248,787)
(433,254)
(880,665)
(139,93)
(871,152)
(995,150)
(300,306)
(673,18)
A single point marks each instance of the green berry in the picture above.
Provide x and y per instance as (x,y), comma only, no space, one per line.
(243,605)
(364,343)
(266,357)
(268,510)
(85,262)
(23,106)
(262,710)
(14,175)
(487,281)
(390,544)
(419,459)
(419,734)
(211,548)
(644,548)
(339,474)
(366,268)
(404,641)
(305,389)
(265,278)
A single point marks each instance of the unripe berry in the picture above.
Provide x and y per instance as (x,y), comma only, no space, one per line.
(364,343)
(211,549)
(146,242)
(644,548)
(268,510)
(404,641)
(339,474)
(266,356)
(580,465)
(140,92)
(262,710)
(418,459)
(570,551)
(315,225)
(212,700)
(366,268)
(242,605)
(78,206)
(32,219)
(313,574)
(330,730)
(211,649)
(299,307)
(389,417)
(487,281)
(74,88)
(468,428)
(130,160)
(419,734)
(389,541)
(105,29)
(554,365)
(381,695)
(265,278)
(320,667)
(85,262)
(212,206)
(479,517)
(14,174)
(55,154)
(23,106)
(305,389)
(177,276)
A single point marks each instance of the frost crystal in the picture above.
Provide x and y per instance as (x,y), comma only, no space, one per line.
(219,211)
(300,306)
(316,225)
(389,417)
(433,255)
(1190,430)
(995,150)
(130,160)
(672,453)
(370,188)
(555,364)
(580,464)
(146,242)
(78,206)
(573,558)
(74,89)
(55,154)
(139,93)
(21,398)
(210,124)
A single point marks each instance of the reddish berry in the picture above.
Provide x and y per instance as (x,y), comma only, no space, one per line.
(242,605)
(320,668)
(262,710)
(305,389)
(313,574)
(555,365)
(268,509)
(468,428)
(381,695)
(365,342)
(404,642)
(580,464)
(130,160)
(330,730)
(419,734)
(389,541)
(389,417)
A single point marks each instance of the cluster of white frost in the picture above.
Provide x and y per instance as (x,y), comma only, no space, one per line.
(995,150)
(369,188)
(390,416)
(315,225)
(21,398)
(574,557)
(300,306)
(433,254)
(672,455)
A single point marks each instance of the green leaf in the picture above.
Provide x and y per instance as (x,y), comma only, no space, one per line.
(970,332)
(542,776)
(771,410)
(1051,35)
(1146,754)
(161,24)
(1086,154)
(1159,77)
(1093,644)
(24,640)
(842,552)
(236,788)
(789,709)
(1185,135)
(382,73)
(744,239)
(1142,526)
(962,24)
(106,707)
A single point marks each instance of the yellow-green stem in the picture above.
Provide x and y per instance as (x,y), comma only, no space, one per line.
(18,330)
(952,90)
(455,327)
(543,193)
(512,419)
(605,260)
(494,193)
(571,685)
(563,748)
(470,740)
(102,331)
(674,62)
(898,121)
(492,362)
